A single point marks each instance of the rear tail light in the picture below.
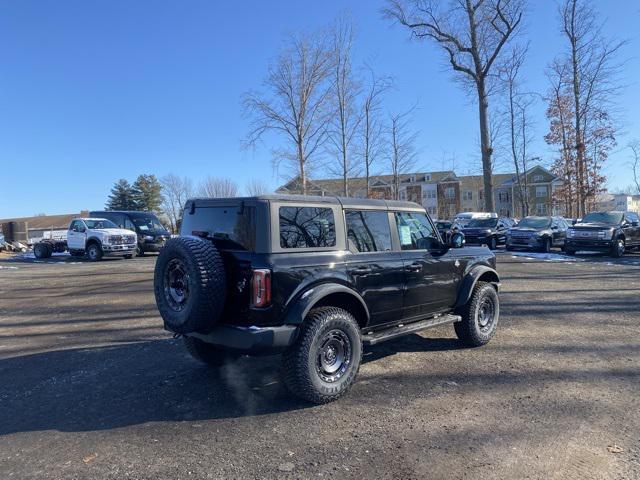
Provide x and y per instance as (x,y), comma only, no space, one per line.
(261,288)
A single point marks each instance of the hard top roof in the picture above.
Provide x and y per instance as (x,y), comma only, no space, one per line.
(346,202)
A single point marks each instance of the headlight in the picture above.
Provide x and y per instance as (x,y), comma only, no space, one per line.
(148,237)
(605,234)
(108,239)
(570,232)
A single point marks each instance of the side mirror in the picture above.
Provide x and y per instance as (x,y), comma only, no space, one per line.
(573,222)
(456,240)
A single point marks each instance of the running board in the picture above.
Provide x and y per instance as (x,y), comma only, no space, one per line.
(400,330)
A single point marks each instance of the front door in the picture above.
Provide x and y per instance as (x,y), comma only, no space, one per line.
(374,269)
(76,235)
(431,271)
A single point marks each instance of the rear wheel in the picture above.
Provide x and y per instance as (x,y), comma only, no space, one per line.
(324,362)
(41,250)
(479,316)
(207,353)
(618,248)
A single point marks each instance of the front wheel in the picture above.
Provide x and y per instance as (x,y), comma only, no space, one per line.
(546,245)
(618,248)
(493,243)
(480,316)
(324,362)
(94,252)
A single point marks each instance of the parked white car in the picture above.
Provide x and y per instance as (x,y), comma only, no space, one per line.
(97,237)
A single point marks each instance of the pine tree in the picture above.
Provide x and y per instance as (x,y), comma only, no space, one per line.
(147,193)
(121,197)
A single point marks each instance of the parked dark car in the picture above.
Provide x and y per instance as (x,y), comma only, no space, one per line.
(151,233)
(446,228)
(538,233)
(610,232)
(487,231)
(315,278)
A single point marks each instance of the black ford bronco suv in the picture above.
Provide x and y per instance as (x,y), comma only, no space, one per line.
(609,232)
(315,278)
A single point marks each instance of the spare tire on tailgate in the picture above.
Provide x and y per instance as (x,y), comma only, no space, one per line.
(189,284)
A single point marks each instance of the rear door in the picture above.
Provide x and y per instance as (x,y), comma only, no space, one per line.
(431,271)
(374,268)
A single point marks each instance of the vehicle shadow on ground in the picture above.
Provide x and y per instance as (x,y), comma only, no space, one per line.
(116,386)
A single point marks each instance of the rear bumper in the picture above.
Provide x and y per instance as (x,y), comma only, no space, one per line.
(251,340)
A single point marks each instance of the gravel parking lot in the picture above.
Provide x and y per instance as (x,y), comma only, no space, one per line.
(92,387)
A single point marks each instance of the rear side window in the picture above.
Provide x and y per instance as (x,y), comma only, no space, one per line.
(231,227)
(306,227)
(368,231)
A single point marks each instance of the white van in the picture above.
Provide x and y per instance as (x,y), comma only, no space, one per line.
(462,219)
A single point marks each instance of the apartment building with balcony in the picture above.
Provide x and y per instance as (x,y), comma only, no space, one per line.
(444,194)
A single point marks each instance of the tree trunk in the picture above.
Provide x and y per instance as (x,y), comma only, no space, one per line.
(303,176)
(485,146)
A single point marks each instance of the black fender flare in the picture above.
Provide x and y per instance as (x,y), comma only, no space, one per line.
(300,307)
(471,278)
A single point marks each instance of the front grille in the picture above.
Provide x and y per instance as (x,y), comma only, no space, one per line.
(122,239)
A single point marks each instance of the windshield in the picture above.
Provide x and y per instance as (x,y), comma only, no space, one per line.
(483,222)
(443,224)
(535,222)
(602,217)
(100,223)
(147,223)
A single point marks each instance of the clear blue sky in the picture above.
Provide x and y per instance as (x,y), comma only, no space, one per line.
(93,91)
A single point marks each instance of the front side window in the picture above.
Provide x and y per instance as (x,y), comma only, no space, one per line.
(416,232)
(368,231)
(307,227)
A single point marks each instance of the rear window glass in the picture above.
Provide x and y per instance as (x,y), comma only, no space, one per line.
(231,227)
(306,227)
(368,231)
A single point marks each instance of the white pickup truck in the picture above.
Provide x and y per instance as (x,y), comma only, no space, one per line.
(93,237)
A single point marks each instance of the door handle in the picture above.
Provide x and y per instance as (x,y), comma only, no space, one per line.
(414,267)
(360,271)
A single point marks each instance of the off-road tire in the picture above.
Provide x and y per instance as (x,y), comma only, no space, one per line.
(206,353)
(204,285)
(469,330)
(300,361)
(618,249)
(94,252)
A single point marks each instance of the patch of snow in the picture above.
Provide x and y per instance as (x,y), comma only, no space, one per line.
(2,267)
(546,257)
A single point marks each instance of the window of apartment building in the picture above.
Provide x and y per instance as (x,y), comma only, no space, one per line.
(428,193)
(541,191)
(481,195)
(403,194)
(541,208)
(427,177)
(450,192)
(503,197)
(432,210)
(467,195)
(538,178)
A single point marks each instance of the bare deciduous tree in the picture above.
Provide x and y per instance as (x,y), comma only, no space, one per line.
(218,187)
(175,193)
(256,187)
(295,102)
(401,149)
(635,163)
(345,90)
(472,33)
(518,103)
(371,125)
(591,75)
